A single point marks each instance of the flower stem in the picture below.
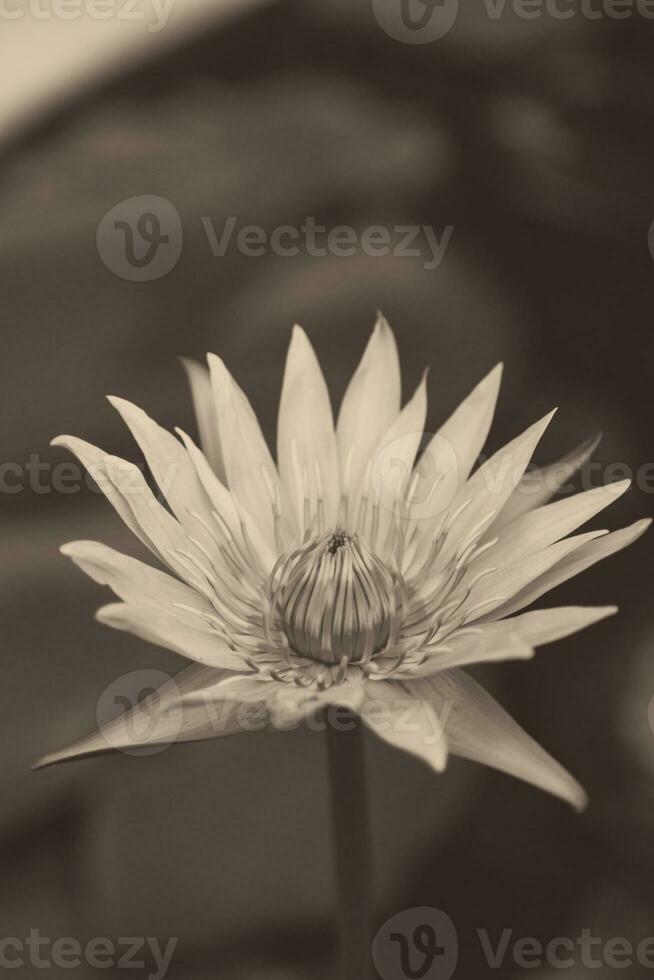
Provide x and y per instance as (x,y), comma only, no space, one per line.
(351,828)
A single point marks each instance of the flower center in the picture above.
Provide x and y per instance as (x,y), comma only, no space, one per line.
(334,600)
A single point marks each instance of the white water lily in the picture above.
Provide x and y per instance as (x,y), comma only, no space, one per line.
(357,570)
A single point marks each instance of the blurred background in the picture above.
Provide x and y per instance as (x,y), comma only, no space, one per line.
(531,137)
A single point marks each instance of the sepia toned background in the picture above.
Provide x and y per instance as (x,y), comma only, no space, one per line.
(533,138)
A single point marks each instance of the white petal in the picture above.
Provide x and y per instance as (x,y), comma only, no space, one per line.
(452,452)
(223,502)
(512,639)
(126,488)
(287,703)
(159,720)
(130,578)
(95,462)
(539,528)
(306,441)
(169,463)
(539,486)
(155,600)
(205,412)
(393,459)
(490,643)
(251,472)
(409,723)
(477,728)
(578,561)
(165,629)
(491,594)
(547,625)
(488,489)
(370,405)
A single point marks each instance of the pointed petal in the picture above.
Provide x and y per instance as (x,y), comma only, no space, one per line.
(512,639)
(488,489)
(477,728)
(547,625)
(159,720)
(126,488)
(169,463)
(539,486)
(407,722)
(539,528)
(487,599)
(370,405)
(393,459)
(251,472)
(165,629)
(223,503)
(454,449)
(157,605)
(96,461)
(306,441)
(205,412)
(489,643)
(578,561)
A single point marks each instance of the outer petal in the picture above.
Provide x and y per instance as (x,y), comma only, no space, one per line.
(452,452)
(99,466)
(158,606)
(169,463)
(410,723)
(125,487)
(547,625)
(541,527)
(287,704)
(251,472)
(574,563)
(370,405)
(513,639)
(205,413)
(480,499)
(539,486)
(485,644)
(477,728)
(165,629)
(291,705)
(306,441)
(495,589)
(160,719)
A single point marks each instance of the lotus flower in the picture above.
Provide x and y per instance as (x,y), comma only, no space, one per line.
(358,570)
